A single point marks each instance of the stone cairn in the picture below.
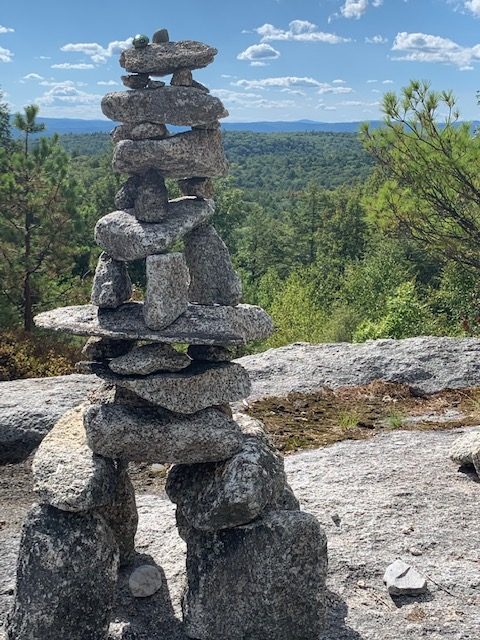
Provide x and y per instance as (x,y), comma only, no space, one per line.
(256,564)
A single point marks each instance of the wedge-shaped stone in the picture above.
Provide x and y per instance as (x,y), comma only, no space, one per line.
(125,238)
(66,577)
(199,386)
(166,297)
(273,569)
(198,325)
(111,285)
(66,473)
(127,194)
(155,436)
(228,494)
(151,202)
(212,277)
(184,106)
(140,131)
(98,349)
(193,153)
(167,57)
(149,358)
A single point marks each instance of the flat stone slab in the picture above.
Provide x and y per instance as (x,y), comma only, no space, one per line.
(126,238)
(183,106)
(149,358)
(66,472)
(198,325)
(193,153)
(199,386)
(167,57)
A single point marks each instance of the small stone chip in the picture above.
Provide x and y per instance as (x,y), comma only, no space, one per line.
(401,579)
(145,581)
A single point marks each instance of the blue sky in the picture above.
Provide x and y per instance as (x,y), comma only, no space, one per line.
(327,60)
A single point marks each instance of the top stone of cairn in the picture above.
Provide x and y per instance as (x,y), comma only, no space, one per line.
(167,57)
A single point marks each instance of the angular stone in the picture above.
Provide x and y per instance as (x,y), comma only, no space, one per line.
(166,296)
(200,86)
(466,450)
(98,349)
(141,131)
(160,36)
(164,59)
(127,194)
(66,576)
(188,391)
(125,238)
(182,78)
(286,501)
(155,436)
(193,153)
(113,394)
(151,204)
(198,187)
(273,569)
(155,84)
(136,80)
(228,494)
(212,277)
(402,579)
(182,106)
(209,353)
(209,126)
(121,516)
(111,284)
(66,472)
(145,581)
(198,325)
(149,358)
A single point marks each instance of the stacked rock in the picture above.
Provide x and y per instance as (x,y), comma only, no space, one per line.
(256,564)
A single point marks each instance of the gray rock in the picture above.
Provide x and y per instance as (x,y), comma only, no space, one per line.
(113,394)
(66,575)
(30,408)
(111,285)
(155,436)
(466,448)
(98,349)
(188,391)
(262,581)
(166,296)
(403,580)
(144,581)
(210,126)
(209,353)
(176,105)
(160,36)
(193,153)
(141,131)
(198,187)
(212,277)
(182,78)
(286,501)
(149,358)
(125,238)
(151,204)
(155,84)
(136,80)
(164,59)
(228,494)
(122,516)
(66,473)
(127,194)
(198,325)
(201,87)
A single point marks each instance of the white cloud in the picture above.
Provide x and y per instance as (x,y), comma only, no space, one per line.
(6,29)
(107,83)
(371,81)
(423,47)
(288,82)
(5,55)
(299,31)
(32,76)
(67,92)
(473,6)
(239,100)
(354,8)
(77,65)
(339,81)
(95,51)
(387,82)
(378,39)
(257,54)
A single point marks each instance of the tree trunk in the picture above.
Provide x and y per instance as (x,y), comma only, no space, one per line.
(27,288)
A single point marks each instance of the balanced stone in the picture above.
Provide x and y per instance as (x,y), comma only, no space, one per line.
(182,78)
(261,581)
(66,576)
(160,36)
(166,296)
(127,194)
(66,472)
(208,353)
(193,153)
(98,349)
(212,277)
(198,187)
(141,131)
(111,284)
(149,358)
(136,80)
(402,579)
(153,435)
(228,494)
(155,84)
(213,325)
(151,204)
(184,106)
(126,238)
(166,58)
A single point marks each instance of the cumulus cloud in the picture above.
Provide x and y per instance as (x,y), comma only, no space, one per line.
(95,51)
(298,31)
(378,39)
(5,55)
(6,29)
(423,47)
(107,83)
(32,76)
(257,54)
(473,6)
(77,65)
(247,100)
(356,8)
(67,93)
(287,82)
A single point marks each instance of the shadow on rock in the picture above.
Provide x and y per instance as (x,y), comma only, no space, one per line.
(403,601)
(151,618)
(335,627)
(469,470)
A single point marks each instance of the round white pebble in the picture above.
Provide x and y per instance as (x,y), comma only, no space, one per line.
(145,581)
